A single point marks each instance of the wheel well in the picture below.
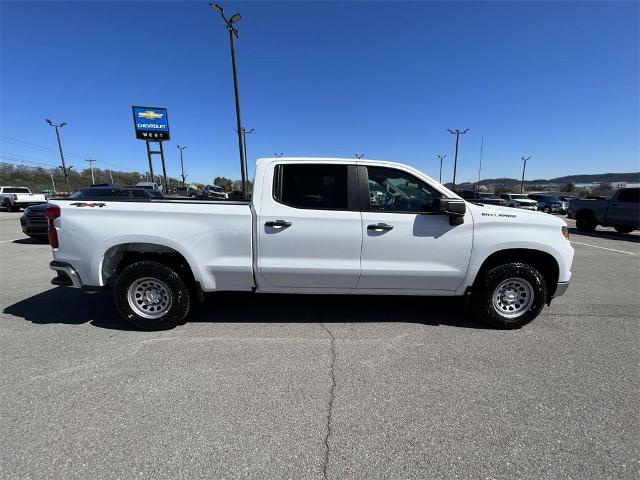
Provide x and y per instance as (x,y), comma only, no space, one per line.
(541,261)
(119,257)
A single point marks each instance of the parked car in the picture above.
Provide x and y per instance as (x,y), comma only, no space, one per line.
(621,211)
(115,191)
(313,228)
(548,204)
(519,200)
(34,223)
(214,191)
(15,198)
(149,186)
(187,192)
(482,197)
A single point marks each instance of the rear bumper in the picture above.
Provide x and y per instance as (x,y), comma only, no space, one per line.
(67,275)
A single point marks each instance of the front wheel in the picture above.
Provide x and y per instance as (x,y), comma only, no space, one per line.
(509,296)
(621,229)
(152,296)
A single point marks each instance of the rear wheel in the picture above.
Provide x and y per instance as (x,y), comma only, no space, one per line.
(152,296)
(621,229)
(585,222)
(509,296)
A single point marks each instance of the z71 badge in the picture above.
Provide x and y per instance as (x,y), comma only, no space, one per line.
(85,204)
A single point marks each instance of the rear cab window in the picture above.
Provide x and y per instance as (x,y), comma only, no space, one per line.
(15,190)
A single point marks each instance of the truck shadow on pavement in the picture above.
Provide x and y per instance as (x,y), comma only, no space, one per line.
(73,307)
(625,237)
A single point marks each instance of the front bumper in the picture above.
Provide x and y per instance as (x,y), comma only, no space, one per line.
(67,275)
(561,289)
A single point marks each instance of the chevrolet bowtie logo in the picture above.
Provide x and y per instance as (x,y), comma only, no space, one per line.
(149,115)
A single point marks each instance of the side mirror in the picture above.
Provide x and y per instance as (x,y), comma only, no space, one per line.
(454,208)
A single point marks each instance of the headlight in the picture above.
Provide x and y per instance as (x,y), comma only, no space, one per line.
(565,232)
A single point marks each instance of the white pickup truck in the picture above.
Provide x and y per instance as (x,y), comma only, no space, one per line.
(315,225)
(15,198)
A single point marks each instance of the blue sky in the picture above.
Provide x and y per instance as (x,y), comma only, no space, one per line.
(557,81)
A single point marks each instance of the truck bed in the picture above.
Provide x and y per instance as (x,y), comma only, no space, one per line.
(214,235)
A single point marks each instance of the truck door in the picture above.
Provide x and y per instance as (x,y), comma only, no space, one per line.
(309,228)
(404,247)
(624,208)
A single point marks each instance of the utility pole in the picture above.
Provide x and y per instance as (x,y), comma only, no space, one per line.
(53,184)
(64,167)
(480,167)
(441,157)
(111,175)
(360,156)
(524,167)
(91,162)
(181,148)
(233,33)
(457,133)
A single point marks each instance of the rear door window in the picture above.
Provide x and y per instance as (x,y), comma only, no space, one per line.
(630,195)
(312,186)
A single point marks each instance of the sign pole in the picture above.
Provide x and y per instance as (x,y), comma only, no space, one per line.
(164,170)
(150,162)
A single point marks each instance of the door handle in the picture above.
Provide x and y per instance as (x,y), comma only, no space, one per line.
(380,227)
(280,224)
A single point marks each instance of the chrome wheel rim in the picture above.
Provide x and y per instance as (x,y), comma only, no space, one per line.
(513,297)
(149,297)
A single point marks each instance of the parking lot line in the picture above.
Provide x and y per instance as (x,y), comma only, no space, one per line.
(603,248)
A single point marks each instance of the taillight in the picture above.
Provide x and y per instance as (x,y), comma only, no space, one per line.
(52,212)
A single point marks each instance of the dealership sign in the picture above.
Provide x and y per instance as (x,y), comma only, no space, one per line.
(151,123)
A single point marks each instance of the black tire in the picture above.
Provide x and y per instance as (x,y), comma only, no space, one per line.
(585,222)
(177,291)
(7,205)
(485,287)
(621,229)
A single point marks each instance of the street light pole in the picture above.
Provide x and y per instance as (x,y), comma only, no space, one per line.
(441,157)
(53,184)
(360,156)
(457,133)
(524,167)
(64,167)
(278,156)
(182,164)
(91,162)
(233,33)
(111,175)
(244,140)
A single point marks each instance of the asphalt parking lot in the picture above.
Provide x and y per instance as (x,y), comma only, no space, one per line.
(321,387)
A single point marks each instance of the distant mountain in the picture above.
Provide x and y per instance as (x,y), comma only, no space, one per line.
(632,177)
